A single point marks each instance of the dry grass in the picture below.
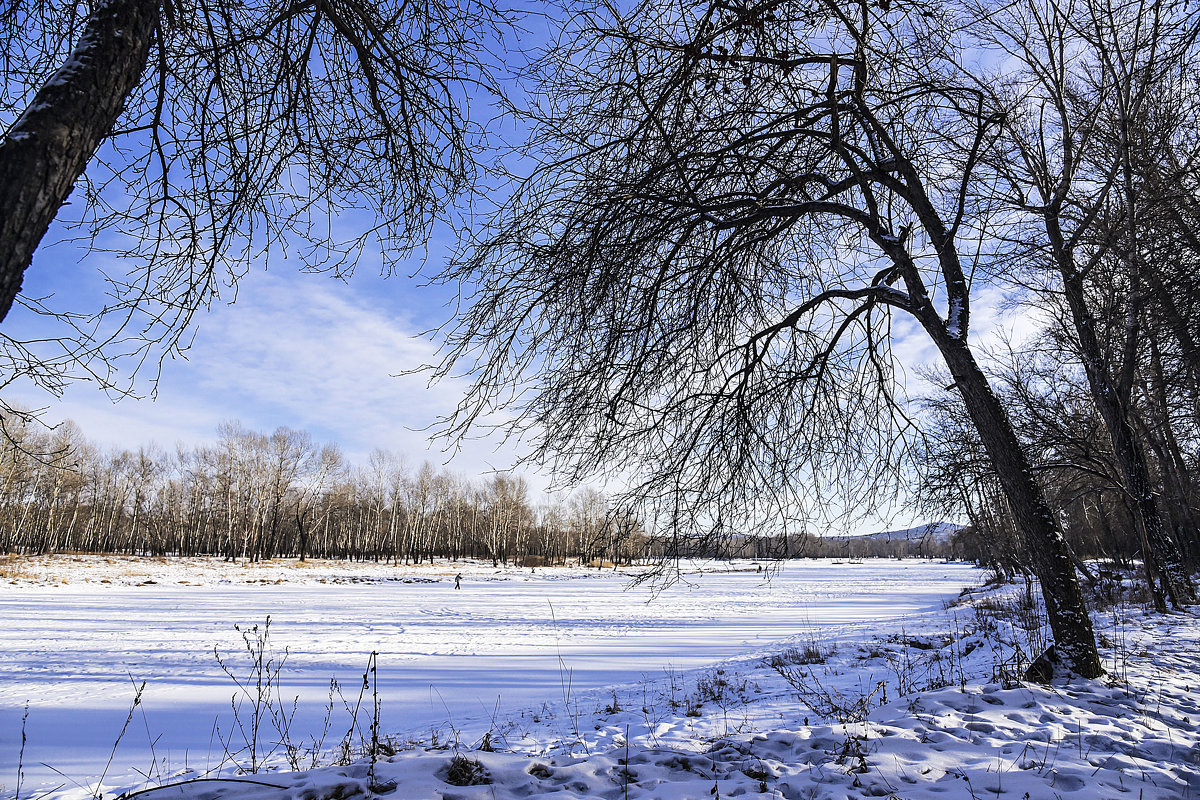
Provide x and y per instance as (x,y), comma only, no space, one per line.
(12,568)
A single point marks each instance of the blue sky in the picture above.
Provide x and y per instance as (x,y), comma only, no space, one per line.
(305,351)
(312,352)
(315,353)
(300,350)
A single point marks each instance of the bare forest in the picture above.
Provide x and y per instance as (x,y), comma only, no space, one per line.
(258,496)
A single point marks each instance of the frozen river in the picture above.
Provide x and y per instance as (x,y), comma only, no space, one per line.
(508,642)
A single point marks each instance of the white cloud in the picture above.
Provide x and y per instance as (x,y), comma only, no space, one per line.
(304,351)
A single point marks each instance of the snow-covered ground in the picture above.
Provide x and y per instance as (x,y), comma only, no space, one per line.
(832,680)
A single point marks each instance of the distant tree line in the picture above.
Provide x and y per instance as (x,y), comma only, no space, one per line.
(254,496)
(257,496)
(856,547)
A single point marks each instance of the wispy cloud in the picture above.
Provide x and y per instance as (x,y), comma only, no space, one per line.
(303,351)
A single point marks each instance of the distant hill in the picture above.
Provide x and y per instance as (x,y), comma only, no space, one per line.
(938,532)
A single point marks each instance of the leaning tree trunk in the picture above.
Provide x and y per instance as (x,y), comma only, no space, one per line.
(47,149)
(1074,640)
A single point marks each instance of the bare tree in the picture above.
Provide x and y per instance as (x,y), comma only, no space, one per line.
(1089,75)
(261,497)
(1044,388)
(732,208)
(319,470)
(206,135)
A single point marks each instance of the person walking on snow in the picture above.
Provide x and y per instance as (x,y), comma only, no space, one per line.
(458,581)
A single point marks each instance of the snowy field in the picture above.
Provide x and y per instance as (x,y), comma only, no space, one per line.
(73,646)
(831,680)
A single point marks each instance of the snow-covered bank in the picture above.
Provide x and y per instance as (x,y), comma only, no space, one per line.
(1098,740)
(917,705)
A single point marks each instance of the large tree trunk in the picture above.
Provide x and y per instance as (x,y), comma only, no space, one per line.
(48,148)
(1074,640)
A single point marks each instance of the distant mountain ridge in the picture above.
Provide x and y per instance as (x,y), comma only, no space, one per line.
(939,532)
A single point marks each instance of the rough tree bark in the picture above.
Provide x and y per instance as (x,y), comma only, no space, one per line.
(1043,540)
(47,149)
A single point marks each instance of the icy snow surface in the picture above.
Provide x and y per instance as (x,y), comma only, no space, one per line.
(607,696)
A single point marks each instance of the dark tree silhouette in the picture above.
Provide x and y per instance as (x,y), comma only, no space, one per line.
(732,206)
(1086,103)
(210,134)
